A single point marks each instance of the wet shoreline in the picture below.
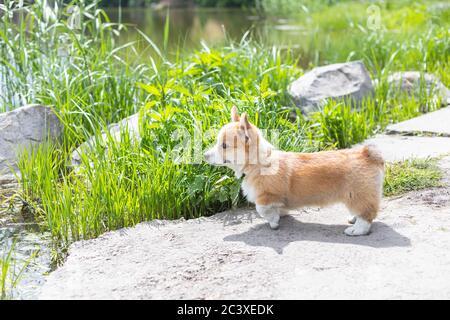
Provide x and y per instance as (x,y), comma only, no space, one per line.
(31,256)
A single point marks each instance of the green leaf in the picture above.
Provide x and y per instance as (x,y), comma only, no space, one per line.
(150,89)
(150,104)
(264,84)
(181,90)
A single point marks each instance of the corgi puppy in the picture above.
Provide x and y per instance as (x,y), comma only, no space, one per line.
(277,181)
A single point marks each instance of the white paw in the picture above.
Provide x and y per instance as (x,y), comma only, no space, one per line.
(273,225)
(271,214)
(352,219)
(361,227)
(352,231)
(274,222)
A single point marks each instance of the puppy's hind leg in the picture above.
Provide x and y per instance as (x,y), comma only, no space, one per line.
(363,214)
(360,228)
(271,213)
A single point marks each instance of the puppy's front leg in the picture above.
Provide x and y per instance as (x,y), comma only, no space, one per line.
(270,213)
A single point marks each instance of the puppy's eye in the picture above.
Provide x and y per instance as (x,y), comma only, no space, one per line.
(224,145)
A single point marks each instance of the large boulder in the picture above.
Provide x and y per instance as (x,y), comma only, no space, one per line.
(21,130)
(129,124)
(412,82)
(349,81)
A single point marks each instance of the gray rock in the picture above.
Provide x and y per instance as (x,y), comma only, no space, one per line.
(8,185)
(412,81)
(131,124)
(349,80)
(22,129)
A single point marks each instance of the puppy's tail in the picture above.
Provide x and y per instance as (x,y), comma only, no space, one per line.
(373,154)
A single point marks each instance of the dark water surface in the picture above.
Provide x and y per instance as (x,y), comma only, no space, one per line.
(31,253)
(188,27)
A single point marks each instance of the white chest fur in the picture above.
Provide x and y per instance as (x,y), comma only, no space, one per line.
(249,191)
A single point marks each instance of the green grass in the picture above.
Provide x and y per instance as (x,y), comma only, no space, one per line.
(91,81)
(411,175)
(141,181)
(11,271)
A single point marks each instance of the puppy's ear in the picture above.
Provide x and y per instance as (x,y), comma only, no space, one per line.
(234,114)
(244,125)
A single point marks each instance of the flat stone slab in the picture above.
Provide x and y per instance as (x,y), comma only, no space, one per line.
(399,148)
(230,256)
(437,122)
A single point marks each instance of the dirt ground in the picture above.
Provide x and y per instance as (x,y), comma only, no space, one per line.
(235,255)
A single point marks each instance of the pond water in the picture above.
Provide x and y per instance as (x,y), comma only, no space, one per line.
(188,27)
(32,252)
(30,249)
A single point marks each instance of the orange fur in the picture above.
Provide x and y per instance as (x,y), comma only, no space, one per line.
(319,179)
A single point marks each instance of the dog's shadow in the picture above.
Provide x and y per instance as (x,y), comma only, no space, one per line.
(292,230)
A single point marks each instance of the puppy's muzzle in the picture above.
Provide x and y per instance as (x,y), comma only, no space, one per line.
(209,156)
